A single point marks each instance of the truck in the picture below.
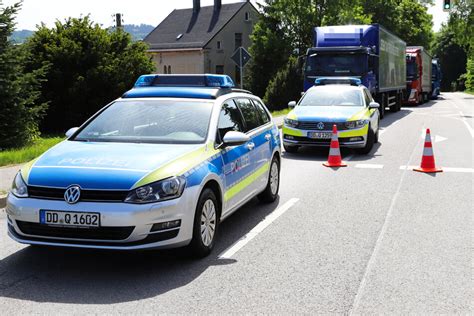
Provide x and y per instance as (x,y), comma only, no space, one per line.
(368,52)
(418,75)
(435,78)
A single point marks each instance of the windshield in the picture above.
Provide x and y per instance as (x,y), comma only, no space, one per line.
(411,69)
(337,65)
(150,121)
(332,96)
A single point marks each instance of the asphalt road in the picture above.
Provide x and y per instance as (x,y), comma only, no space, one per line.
(374,237)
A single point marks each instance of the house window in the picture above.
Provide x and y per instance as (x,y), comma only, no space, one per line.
(247,16)
(238,40)
(220,69)
(169,69)
(219,45)
(165,69)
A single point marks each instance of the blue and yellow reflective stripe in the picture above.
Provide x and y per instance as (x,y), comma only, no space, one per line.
(248,180)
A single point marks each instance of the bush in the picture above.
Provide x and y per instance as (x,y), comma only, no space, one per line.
(286,86)
(470,75)
(19,89)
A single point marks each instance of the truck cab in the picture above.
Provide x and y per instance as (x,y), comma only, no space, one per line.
(418,75)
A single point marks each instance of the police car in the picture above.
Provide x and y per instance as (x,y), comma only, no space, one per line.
(341,101)
(159,167)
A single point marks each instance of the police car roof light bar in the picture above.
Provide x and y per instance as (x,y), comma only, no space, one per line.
(205,80)
(337,80)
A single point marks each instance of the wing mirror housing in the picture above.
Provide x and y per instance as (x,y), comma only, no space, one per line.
(233,138)
(374,105)
(292,104)
(71,131)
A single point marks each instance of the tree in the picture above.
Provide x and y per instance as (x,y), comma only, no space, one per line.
(88,67)
(19,89)
(285,86)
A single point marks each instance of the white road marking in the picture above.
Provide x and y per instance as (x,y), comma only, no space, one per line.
(469,128)
(446,169)
(229,252)
(368,166)
(434,138)
(378,243)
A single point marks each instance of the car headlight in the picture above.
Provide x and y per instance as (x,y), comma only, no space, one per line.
(356,124)
(19,188)
(163,190)
(291,123)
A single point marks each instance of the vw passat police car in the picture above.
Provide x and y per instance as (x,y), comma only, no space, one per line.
(341,101)
(159,167)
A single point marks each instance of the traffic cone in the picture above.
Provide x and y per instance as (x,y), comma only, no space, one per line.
(428,161)
(334,159)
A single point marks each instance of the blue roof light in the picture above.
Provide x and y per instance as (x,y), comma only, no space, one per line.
(338,80)
(205,80)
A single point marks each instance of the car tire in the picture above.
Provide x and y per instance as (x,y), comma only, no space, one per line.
(291,149)
(270,193)
(370,143)
(205,218)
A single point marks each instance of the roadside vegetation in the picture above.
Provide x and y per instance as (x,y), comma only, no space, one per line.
(28,152)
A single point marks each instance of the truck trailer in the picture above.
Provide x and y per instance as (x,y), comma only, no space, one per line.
(418,75)
(435,78)
(368,52)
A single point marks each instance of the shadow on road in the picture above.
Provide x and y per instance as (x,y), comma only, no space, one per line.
(67,275)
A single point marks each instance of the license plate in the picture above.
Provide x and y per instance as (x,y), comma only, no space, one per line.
(320,135)
(76,219)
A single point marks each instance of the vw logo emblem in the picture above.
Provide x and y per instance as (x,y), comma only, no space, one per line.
(72,194)
(320,125)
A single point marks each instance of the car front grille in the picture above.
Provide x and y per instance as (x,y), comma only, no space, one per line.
(314,126)
(98,233)
(86,195)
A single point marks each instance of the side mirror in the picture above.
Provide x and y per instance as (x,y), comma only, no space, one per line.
(233,138)
(374,105)
(71,131)
(292,104)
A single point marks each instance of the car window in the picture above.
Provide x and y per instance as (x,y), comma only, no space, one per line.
(264,118)
(367,97)
(150,121)
(250,113)
(335,95)
(230,119)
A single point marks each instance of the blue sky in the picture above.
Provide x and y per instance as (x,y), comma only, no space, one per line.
(135,12)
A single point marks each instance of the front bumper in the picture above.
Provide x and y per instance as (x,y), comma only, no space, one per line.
(124,226)
(354,138)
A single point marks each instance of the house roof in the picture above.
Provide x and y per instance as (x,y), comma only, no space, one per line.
(196,29)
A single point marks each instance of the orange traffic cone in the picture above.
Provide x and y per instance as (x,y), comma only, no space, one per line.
(334,159)
(428,161)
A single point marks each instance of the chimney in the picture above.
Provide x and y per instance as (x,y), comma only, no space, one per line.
(196,6)
(217,5)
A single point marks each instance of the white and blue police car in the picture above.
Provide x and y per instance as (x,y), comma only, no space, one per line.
(159,167)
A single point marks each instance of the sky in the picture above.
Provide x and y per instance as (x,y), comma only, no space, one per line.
(134,12)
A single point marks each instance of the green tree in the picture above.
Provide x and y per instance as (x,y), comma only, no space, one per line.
(285,86)
(88,67)
(20,110)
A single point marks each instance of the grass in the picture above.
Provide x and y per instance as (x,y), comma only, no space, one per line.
(470,92)
(281,112)
(29,152)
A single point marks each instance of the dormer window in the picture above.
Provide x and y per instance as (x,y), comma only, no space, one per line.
(247,16)
(219,45)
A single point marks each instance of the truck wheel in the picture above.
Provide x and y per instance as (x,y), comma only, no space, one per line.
(291,149)
(370,143)
(382,106)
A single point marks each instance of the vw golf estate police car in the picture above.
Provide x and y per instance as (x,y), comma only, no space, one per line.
(343,101)
(159,167)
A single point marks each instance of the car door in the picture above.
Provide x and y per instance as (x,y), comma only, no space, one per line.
(374,113)
(236,159)
(258,128)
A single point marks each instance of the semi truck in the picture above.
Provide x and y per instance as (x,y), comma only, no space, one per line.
(368,52)
(435,78)
(418,75)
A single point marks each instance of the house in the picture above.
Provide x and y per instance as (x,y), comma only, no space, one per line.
(202,39)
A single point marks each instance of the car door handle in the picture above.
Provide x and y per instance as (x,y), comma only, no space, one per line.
(250,146)
(268,136)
